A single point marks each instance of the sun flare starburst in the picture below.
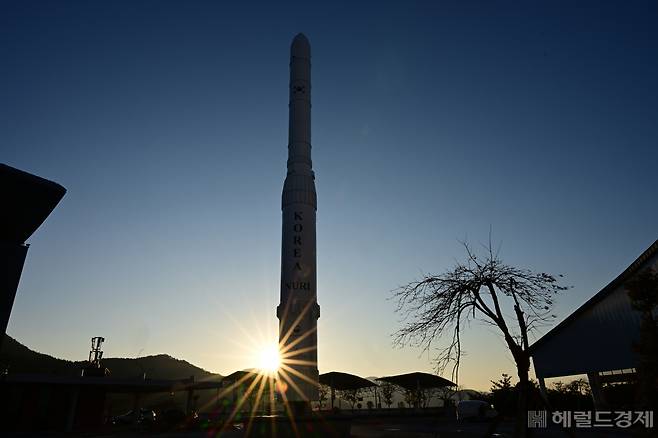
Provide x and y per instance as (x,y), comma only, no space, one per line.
(269,359)
(271,379)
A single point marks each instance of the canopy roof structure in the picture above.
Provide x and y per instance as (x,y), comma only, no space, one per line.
(417,381)
(344,381)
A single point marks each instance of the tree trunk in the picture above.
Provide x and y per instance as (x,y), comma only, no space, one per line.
(523,367)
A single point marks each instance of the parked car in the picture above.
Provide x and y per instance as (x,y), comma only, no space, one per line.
(475,410)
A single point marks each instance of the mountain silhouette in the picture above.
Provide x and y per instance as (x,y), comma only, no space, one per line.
(16,358)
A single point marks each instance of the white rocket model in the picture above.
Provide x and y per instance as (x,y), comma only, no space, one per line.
(298,310)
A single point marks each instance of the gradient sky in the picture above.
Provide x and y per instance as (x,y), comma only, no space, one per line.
(432,123)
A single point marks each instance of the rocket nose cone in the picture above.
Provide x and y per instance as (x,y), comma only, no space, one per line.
(300,46)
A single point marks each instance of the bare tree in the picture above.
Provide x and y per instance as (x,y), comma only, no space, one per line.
(483,289)
(387,393)
(428,395)
(447,394)
(352,396)
(323,392)
(371,392)
(411,397)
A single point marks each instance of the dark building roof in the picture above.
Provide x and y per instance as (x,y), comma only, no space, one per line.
(603,293)
(599,335)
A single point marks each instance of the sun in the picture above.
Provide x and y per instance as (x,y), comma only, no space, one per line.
(269,359)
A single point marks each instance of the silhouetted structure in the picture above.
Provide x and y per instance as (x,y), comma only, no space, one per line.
(343,382)
(418,386)
(596,339)
(33,402)
(27,200)
(94,367)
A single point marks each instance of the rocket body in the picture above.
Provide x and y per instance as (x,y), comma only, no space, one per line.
(298,310)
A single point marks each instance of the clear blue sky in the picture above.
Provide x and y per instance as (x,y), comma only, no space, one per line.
(432,122)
